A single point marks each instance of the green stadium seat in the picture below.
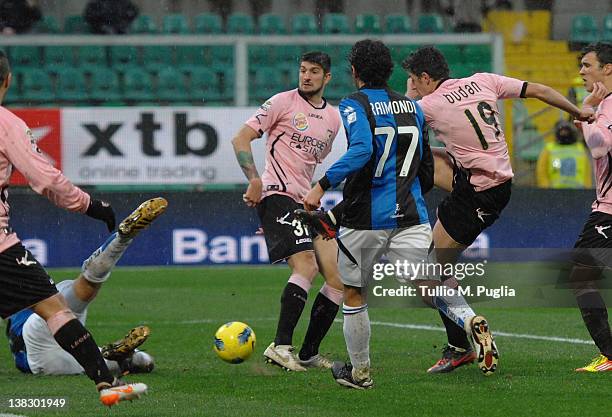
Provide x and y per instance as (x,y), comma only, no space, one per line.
(25,56)
(304,24)
(271,24)
(208,23)
(156,58)
(105,87)
(222,57)
(584,29)
(144,24)
(397,80)
(340,85)
(228,78)
(260,54)
(367,23)
(397,23)
(606,30)
(71,85)
(266,83)
(48,24)
(137,86)
(124,57)
(336,23)
(57,57)
(91,57)
(76,24)
(171,85)
(191,55)
(240,23)
(430,23)
(37,86)
(175,24)
(204,85)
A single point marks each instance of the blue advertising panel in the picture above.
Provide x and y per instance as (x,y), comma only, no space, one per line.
(206,228)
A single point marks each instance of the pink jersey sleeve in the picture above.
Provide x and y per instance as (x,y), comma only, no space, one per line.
(266,115)
(598,135)
(20,149)
(505,87)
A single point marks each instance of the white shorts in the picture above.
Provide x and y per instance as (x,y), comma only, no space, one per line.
(45,356)
(359,250)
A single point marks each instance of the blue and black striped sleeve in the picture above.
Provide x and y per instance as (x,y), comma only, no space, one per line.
(359,136)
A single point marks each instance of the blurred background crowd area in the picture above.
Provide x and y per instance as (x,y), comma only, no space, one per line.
(540,42)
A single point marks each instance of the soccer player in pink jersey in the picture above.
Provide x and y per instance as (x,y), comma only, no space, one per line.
(23,281)
(594,245)
(301,127)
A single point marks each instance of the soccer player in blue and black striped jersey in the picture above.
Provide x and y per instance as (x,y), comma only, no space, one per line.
(388,167)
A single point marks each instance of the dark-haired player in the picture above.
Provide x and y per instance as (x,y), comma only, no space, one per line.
(388,167)
(301,127)
(596,236)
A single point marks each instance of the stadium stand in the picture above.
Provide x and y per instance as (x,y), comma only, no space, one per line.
(207,23)
(303,24)
(271,24)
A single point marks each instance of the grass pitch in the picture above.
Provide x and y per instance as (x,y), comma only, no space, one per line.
(185,306)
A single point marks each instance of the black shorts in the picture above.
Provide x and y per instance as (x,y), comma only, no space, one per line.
(23,281)
(465,213)
(285,235)
(594,244)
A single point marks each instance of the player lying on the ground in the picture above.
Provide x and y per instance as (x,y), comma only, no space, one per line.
(34,348)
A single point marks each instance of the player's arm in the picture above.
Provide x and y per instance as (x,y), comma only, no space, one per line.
(552,97)
(47,180)
(598,135)
(244,156)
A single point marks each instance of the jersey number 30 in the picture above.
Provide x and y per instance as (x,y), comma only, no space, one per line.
(389,132)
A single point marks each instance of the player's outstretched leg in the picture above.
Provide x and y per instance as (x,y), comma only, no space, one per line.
(483,343)
(112,394)
(142,217)
(97,267)
(123,347)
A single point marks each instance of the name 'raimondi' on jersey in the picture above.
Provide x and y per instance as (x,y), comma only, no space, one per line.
(392,107)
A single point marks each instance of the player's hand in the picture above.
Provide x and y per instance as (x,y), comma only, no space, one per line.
(587,114)
(252,197)
(597,95)
(101,210)
(312,201)
(411,91)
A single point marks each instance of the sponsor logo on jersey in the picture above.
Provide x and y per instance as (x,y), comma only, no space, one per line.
(300,122)
(600,230)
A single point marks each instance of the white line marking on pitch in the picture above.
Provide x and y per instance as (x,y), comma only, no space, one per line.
(388,324)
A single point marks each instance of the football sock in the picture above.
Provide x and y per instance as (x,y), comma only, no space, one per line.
(595,316)
(293,301)
(455,307)
(456,335)
(357,336)
(322,317)
(76,340)
(97,267)
(75,304)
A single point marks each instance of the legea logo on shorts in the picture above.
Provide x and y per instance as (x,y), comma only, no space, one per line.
(300,121)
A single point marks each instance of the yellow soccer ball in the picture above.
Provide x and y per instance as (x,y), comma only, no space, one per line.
(234,342)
